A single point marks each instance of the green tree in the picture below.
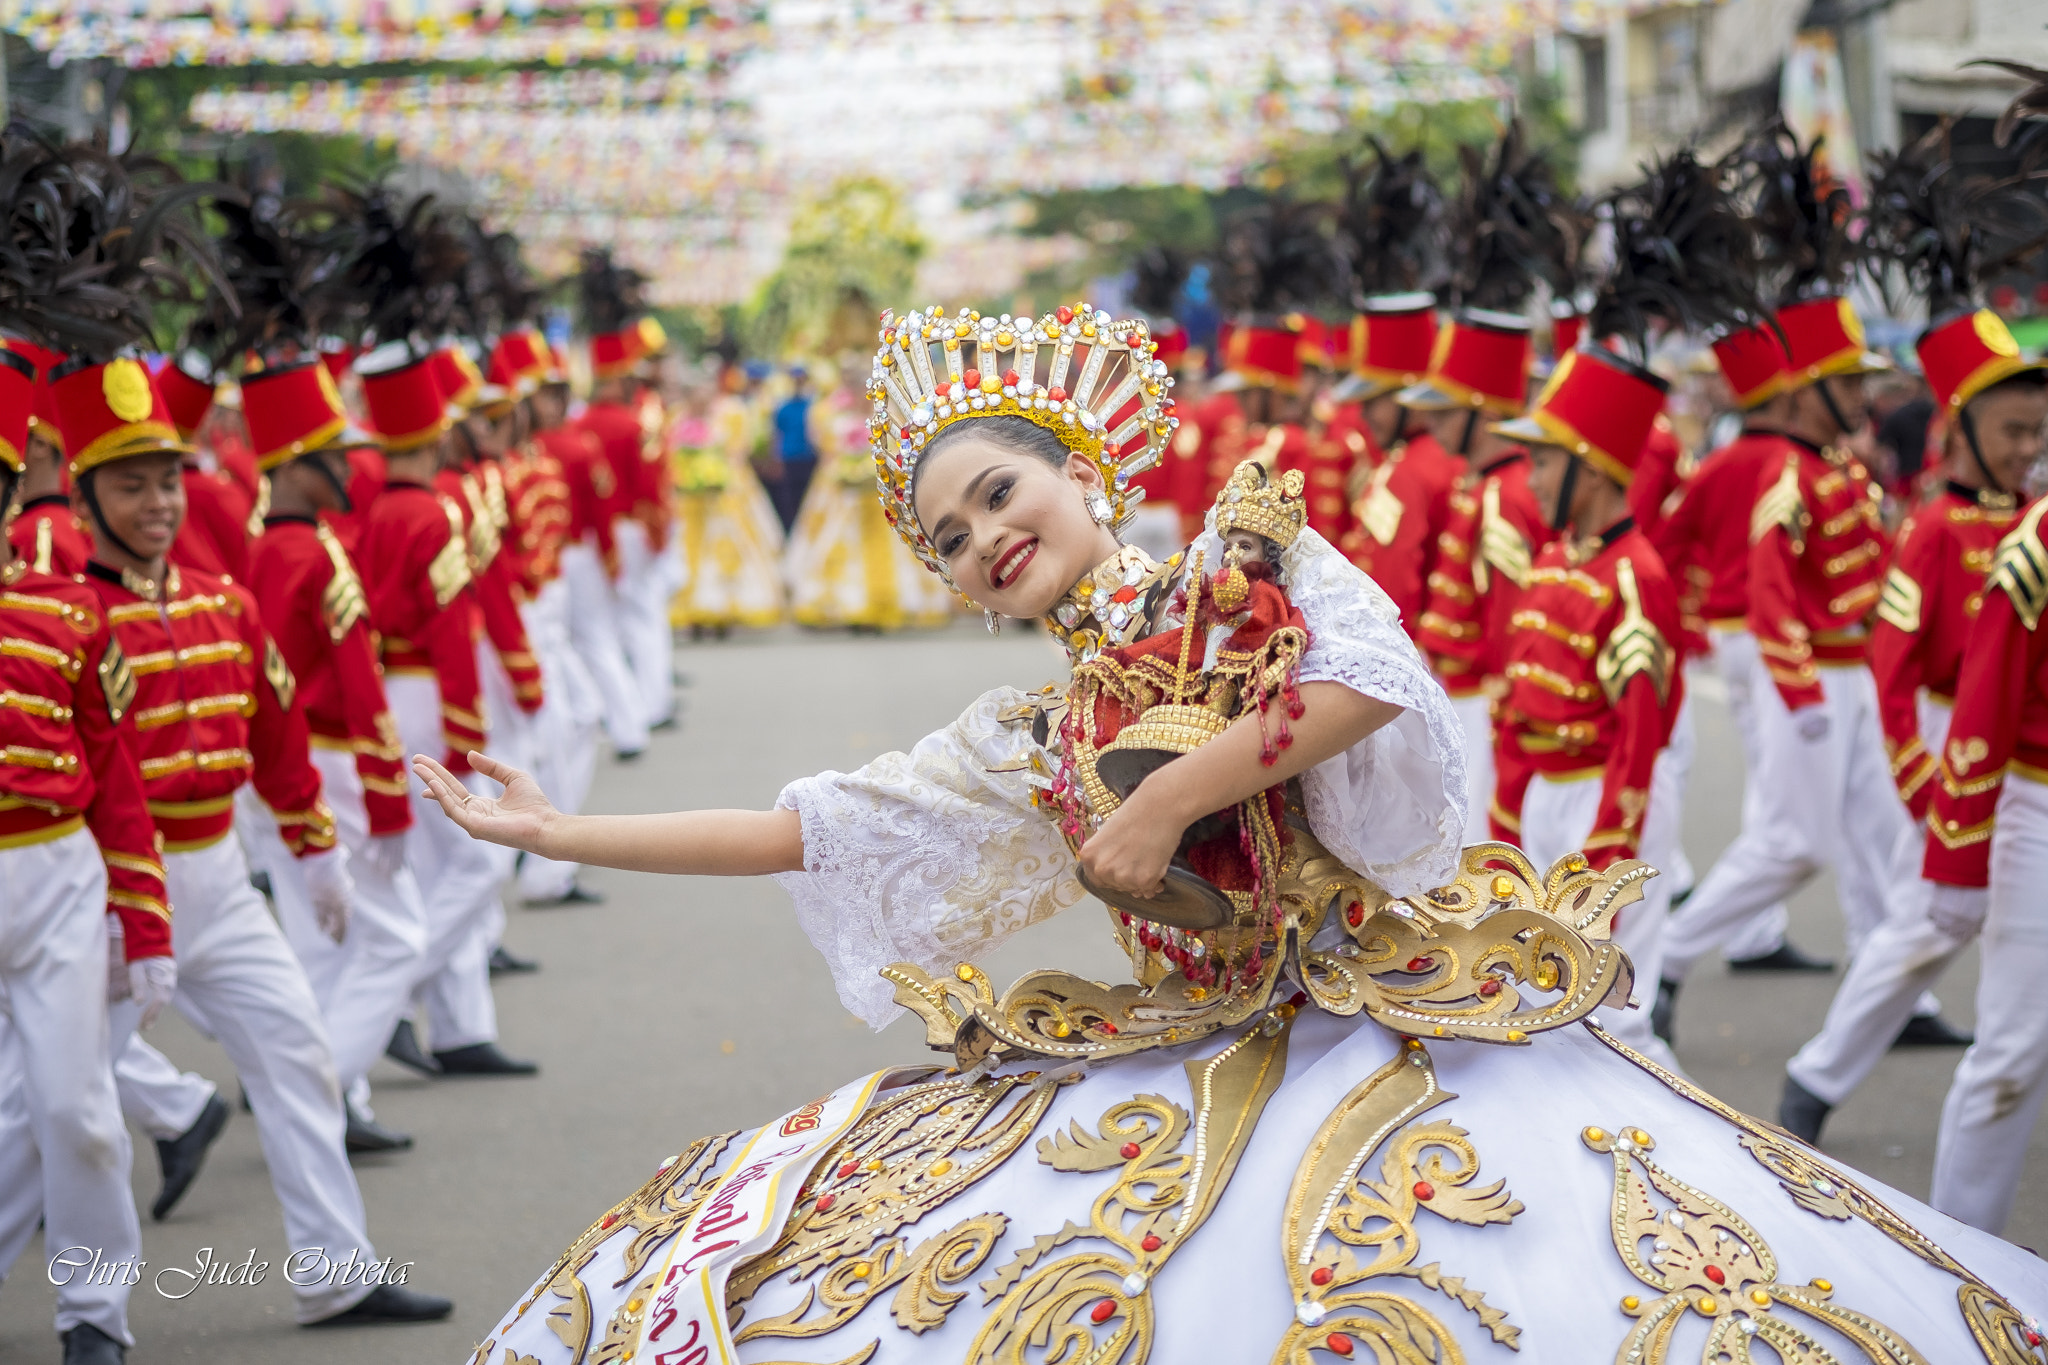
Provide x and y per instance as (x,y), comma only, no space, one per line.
(852,252)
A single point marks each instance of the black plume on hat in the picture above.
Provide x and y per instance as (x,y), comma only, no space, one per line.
(611,295)
(1280,256)
(1685,256)
(1933,231)
(95,246)
(1391,224)
(406,268)
(1511,226)
(1160,273)
(1803,218)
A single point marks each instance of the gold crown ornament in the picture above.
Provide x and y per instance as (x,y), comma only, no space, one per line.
(1102,392)
(1254,500)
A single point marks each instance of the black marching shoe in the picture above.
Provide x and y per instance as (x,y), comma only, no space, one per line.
(1802,1113)
(180,1158)
(404,1048)
(390,1303)
(502,961)
(1663,1012)
(577,894)
(1931,1030)
(86,1344)
(482,1059)
(368,1135)
(1784,958)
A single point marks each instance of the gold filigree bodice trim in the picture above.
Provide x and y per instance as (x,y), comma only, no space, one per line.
(1114,604)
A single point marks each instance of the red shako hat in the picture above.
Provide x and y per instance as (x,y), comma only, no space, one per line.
(520,362)
(1823,336)
(1754,364)
(613,354)
(1967,353)
(42,415)
(1392,340)
(17,402)
(295,409)
(406,407)
(1481,361)
(457,375)
(188,397)
(1599,407)
(1265,352)
(111,411)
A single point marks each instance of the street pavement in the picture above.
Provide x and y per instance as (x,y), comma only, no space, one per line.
(684,1006)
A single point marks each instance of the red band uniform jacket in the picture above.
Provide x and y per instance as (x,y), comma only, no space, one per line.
(65,687)
(1484,558)
(309,592)
(479,490)
(1593,683)
(215,706)
(2000,724)
(1399,518)
(48,537)
(415,560)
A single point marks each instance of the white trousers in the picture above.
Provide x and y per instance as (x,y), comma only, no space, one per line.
(566,731)
(1740,664)
(364,983)
(1557,817)
(594,627)
(155,1096)
(1888,980)
(64,1152)
(1998,1086)
(1475,716)
(643,589)
(238,979)
(458,880)
(1825,802)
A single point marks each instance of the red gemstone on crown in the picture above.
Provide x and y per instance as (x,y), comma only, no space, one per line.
(848,1169)
(1126,593)
(1355,916)
(1010,378)
(826,1201)
(1106,1027)
(1056,394)
(1717,1275)
(972,379)
(1419,964)
(1321,1275)
(1340,1343)
(608,1220)
(1064,314)
(1151,1243)
(1424,1191)
(1489,987)
(1103,1311)
(1130,1151)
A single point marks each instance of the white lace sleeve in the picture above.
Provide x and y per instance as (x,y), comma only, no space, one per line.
(925,857)
(1392,806)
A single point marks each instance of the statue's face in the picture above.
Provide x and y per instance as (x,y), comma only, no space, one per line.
(1014,531)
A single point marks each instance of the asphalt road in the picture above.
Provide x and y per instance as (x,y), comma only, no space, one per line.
(686,1006)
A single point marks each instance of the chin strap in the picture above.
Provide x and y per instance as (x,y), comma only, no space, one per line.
(1400,426)
(1560,512)
(348,504)
(1465,436)
(1834,409)
(99,518)
(1969,426)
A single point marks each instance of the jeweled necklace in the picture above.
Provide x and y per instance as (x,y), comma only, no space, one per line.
(1113,604)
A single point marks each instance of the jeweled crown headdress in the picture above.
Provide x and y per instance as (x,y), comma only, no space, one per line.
(1265,505)
(1103,394)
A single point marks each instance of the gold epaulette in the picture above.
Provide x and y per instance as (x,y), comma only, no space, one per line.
(449,573)
(1781,505)
(2021,567)
(1380,511)
(117,680)
(1636,646)
(1899,605)
(1500,544)
(342,603)
(278,673)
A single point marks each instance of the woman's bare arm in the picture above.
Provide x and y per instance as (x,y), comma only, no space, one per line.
(1131,850)
(709,843)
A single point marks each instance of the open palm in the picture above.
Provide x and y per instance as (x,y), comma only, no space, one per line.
(517,819)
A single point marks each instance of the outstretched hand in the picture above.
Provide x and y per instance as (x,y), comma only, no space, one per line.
(518,819)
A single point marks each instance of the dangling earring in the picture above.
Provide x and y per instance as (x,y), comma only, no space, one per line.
(992,621)
(1099,508)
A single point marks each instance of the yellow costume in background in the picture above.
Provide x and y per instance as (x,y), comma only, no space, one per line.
(730,571)
(844,565)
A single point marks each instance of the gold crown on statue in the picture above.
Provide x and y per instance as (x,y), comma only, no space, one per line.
(1255,501)
(1101,392)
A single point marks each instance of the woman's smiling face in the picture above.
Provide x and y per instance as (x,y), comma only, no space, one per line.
(1013,530)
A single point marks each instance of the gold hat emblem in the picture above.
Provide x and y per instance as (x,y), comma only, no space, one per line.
(328,390)
(126,387)
(1852,326)
(652,335)
(1996,336)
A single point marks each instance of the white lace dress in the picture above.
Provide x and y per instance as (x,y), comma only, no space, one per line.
(1399,1202)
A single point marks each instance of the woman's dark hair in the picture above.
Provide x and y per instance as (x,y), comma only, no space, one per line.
(1017,435)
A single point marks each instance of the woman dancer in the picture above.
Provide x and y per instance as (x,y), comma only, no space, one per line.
(1387,1059)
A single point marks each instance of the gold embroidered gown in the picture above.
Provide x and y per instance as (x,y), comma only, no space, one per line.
(845,566)
(730,570)
(1409,1141)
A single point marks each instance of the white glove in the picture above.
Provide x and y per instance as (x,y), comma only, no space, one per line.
(1958,911)
(385,855)
(328,882)
(1813,724)
(152,981)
